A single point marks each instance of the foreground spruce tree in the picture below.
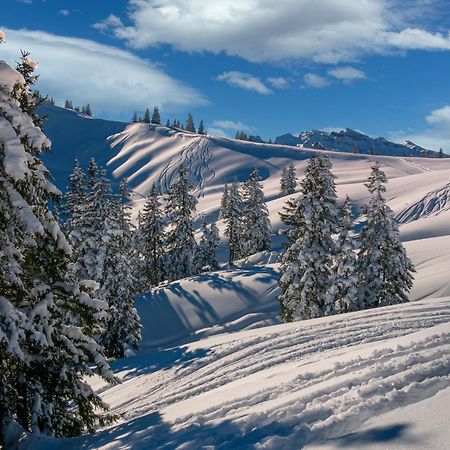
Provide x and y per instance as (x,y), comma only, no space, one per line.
(306,267)
(385,272)
(255,217)
(288,180)
(152,237)
(343,293)
(181,247)
(48,319)
(118,286)
(206,255)
(233,221)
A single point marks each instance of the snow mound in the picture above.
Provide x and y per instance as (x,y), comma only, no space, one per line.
(434,203)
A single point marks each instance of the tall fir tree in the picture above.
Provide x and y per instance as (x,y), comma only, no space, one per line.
(385,271)
(134,119)
(232,218)
(206,255)
(181,247)
(255,217)
(146,118)
(190,126)
(151,232)
(223,213)
(156,118)
(343,294)
(201,128)
(306,262)
(118,286)
(48,319)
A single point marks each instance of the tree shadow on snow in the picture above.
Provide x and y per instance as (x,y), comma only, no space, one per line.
(386,434)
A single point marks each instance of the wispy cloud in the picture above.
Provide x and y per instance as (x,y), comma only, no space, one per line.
(112,80)
(64,12)
(278,82)
(315,81)
(347,74)
(232,125)
(244,81)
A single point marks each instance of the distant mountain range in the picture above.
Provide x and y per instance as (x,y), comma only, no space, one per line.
(349,140)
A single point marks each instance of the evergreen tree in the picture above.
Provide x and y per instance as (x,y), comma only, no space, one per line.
(441,153)
(255,217)
(201,128)
(123,328)
(223,213)
(291,180)
(156,118)
(233,221)
(134,118)
(190,123)
(168,123)
(307,260)
(146,118)
(385,272)
(343,294)
(88,110)
(206,255)
(75,198)
(180,242)
(48,319)
(152,235)
(68,104)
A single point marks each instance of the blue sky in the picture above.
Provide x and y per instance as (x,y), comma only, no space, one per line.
(264,66)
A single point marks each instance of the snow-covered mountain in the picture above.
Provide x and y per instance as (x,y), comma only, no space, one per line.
(349,140)
(217,368)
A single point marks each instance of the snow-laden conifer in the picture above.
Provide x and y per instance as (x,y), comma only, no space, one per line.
(223,212)
(307,260)
(288,180)
(343,293)
(181,247)
(206,255)
(156,118)
(151,232)
(385,271)
(118,286)
(48,319)
(255,217)
(233,221)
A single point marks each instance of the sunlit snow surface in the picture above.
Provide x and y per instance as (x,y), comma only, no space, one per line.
(218,370)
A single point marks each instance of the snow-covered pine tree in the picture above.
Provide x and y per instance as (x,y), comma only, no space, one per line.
(385,271)
(88,236)
(156,118)
(74,200)
(190,123)
(151,232)
(233,229)
(206,255)
(180,242)
(47,357)
(306,262)
(118,287)
(283,187)
(88,110)
(288,180)
(201,128)
(255,217)
(223,213)
(146,118)
(343,293)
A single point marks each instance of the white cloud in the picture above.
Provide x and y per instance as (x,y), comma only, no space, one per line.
(244,81)
(347,74)
(440,117)
(278,82)
(64,12)
(113,81)
(315,81)
(329,31)
(234,126)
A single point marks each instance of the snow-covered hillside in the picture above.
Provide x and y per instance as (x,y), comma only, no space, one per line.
(349,140)
(217,368)
(287,386)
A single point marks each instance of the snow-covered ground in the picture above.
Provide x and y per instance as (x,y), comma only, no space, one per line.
(218,369)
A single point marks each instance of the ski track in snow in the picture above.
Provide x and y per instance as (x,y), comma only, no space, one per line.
(432,204)
(284,386)
(196,157)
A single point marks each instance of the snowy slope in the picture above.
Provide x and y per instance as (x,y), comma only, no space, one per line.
(284,386)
